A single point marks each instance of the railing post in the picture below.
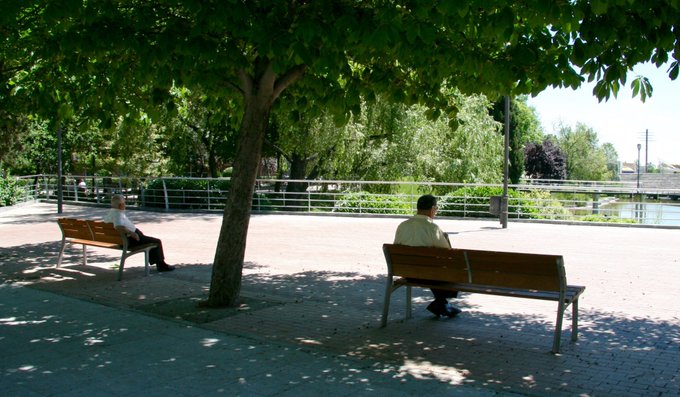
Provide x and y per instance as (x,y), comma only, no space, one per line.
(465,196)
(95,186)
(142,194)
(309,199)
(596,203)
(165,195)
(208,194)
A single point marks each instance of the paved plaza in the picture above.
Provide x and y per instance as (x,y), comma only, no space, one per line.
(308,320)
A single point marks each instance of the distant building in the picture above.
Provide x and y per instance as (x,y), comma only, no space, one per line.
(628,168)
(666,168)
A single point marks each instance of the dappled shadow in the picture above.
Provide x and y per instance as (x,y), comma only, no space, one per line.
(337,314)
(53,350)
(36,261)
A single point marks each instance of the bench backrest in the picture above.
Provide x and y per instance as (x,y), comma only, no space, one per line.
(493,268)
(516,270)
(90,230)
(440,264)
(105,232)
(75,228)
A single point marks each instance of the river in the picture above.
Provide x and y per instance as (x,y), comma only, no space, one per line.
(653,212)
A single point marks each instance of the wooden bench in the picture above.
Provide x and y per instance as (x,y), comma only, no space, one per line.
(100,234)
(512,274)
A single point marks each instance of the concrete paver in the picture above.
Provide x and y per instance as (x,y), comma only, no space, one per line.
(309,324)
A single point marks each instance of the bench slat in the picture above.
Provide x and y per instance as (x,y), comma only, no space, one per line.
(93,243)
(515,270)
(105,232)
(439,264)
(573,291)
(75,228)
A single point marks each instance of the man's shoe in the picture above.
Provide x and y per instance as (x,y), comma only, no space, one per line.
(437,308)
(165,268)
(451,310)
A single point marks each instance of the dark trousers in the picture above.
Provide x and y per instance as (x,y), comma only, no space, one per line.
(156,255)
(441,295)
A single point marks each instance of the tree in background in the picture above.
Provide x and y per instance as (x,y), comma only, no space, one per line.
(545,161)
(306,143)
(472,146)
(524,128)
(586,160)
(612,157)
(197,136)
(375,138)
(390,141)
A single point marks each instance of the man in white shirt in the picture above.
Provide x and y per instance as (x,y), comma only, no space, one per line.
(120,221)
(421,231)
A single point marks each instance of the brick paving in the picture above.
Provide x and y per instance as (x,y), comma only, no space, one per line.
(315,284)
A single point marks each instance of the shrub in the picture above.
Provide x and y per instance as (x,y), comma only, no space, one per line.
(10,191)
(186,193)
(366,203)
(473,201)
(605,219)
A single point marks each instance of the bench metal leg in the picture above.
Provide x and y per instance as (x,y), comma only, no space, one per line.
(146,262)
(61,252)
(574,320)
(124,257)
(63,249)
(409,306)
(386,304)
(121,266)
(558,328)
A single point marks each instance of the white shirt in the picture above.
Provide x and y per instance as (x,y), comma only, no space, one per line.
(118,218)
(421,231)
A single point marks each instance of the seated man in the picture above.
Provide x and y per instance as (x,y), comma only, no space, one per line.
(117,216)
(421,231)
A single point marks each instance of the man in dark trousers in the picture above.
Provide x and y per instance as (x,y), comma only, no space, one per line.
(135,236)
(421,231)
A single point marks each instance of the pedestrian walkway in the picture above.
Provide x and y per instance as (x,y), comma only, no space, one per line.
(308,322)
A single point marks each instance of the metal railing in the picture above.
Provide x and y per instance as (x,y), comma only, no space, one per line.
(542,200)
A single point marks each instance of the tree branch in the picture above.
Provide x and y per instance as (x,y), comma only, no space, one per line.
(291,76)
(278,150)
(245,83)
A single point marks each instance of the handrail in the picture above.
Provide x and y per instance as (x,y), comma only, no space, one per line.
(559,202)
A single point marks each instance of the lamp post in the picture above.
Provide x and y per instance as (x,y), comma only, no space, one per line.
(638,166)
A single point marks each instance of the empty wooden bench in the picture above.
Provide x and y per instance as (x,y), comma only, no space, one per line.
(511,274)
(100,234)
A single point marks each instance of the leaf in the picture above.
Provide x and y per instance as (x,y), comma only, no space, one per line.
(578,55)
(641,86)
(635,86)
(673,70)
(599,7)
(463,8)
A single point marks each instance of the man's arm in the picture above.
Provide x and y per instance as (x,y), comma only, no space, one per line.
(132,234)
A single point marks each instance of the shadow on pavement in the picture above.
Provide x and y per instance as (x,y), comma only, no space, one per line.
(336,314)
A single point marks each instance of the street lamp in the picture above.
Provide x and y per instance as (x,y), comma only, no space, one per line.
(639,146)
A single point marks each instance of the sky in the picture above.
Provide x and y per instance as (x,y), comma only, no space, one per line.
(622,121)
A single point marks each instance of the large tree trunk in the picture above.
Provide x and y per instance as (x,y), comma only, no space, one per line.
(259,95)
(225,285)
